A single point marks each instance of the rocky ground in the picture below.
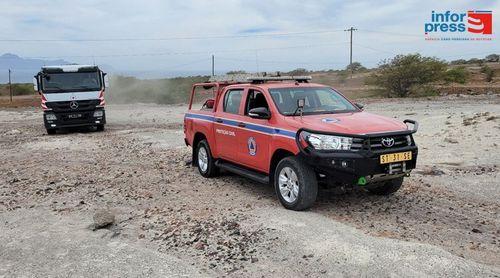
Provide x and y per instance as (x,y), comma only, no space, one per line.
(169,221)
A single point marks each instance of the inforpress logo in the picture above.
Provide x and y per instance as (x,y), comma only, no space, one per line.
(451,23)
(480,22)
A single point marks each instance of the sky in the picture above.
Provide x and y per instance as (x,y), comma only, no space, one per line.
(271,35)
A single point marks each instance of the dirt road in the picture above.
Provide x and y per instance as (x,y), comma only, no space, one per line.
(172,222)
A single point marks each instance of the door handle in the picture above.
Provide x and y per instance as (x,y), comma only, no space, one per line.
(241,124)
(219,120)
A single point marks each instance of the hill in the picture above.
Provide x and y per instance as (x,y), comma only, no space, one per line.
(23,69)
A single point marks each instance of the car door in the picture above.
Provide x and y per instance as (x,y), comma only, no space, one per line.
(226,118)
(255,136)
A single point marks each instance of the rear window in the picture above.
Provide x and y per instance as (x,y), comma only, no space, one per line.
(232,101)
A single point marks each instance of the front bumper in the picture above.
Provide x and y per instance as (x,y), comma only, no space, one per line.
(74,119)
(347,167)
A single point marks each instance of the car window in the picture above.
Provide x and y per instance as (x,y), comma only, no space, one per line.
(255,99)
(232,101)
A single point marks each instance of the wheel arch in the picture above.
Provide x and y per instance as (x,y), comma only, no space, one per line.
(277,156)
(198,136)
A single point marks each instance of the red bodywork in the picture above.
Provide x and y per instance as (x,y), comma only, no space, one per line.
(232,140)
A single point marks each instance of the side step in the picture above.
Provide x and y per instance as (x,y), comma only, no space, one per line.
(233,168)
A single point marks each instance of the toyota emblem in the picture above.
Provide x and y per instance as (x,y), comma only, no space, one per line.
(73,105)
(388,142)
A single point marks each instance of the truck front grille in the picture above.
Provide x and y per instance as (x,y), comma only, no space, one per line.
(61,106)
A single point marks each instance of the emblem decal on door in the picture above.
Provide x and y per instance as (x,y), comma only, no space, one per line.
(252,146)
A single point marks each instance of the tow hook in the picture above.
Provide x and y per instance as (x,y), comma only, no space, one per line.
(362,181)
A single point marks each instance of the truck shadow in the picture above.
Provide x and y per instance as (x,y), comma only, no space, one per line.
(70,130)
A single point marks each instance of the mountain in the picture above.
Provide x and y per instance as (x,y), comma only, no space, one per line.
(22,69)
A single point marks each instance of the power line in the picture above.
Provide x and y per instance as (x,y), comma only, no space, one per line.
(391,33)
(189,52)
(284,34)
(291,62)
(375,49)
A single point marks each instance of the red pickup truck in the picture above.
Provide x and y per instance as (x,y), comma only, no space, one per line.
(295,135)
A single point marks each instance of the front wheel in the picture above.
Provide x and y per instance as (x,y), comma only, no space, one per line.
(51,131)
(386,188)
(295,184)
(204,160)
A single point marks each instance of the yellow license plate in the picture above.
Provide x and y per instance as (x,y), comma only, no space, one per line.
(395,157)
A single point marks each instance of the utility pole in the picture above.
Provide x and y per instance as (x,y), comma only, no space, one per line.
(213,65)
(10,87)
(350,51)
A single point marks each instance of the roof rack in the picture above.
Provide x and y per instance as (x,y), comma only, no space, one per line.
(258,78)
(263,79)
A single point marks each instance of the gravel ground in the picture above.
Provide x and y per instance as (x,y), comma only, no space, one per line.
(169,221)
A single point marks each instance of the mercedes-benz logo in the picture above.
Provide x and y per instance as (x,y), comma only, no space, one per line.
(388,142)
(73,105)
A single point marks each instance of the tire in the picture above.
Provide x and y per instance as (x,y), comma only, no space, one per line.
(51,131)
(100,128)
(387,187)
(204,160)
(305,189)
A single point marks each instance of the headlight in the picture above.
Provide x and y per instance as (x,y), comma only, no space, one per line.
(328,142)
(50,117)
(98,113)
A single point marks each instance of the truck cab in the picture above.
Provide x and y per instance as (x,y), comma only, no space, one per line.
(72,96)
(296,135)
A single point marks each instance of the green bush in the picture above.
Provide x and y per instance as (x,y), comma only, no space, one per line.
(298,72)
(475,61)
(236,72)
(488,72)
(18,89)
(492,58)
(456,75)
(423,91)
(458,62)
(355,67)
(399,74)
(342,76)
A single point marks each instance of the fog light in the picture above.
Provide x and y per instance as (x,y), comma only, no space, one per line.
(50,117)
(98,113)
(333,162)
(344,164)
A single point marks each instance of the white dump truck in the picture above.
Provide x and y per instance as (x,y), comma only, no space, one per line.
(72,96)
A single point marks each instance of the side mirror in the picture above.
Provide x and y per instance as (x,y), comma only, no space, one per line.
(106,80)
(35,84)
(259,113)
(359,105)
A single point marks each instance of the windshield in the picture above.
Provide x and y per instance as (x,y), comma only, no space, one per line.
(71,81)
(318,100)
